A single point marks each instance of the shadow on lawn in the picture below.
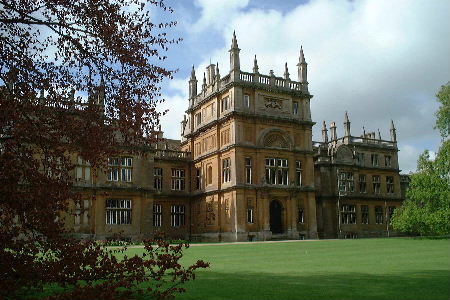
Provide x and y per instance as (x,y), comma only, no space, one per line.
(420,285)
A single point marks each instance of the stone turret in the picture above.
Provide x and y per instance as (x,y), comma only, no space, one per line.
(393,132)
(303,71)
(346,125)
(333,131)
(234,59)
(211,74)
(204,82)
(255,66)
(217,78)
(286,76)
(192,84)
(324,133)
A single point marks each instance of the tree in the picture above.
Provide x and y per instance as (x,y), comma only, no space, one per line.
(76,77)
(427,208)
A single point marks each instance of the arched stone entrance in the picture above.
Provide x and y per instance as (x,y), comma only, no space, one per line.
(276,220)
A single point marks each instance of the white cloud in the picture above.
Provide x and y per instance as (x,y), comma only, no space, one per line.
(216,14)
(379,60)
(407,158)
(171,121)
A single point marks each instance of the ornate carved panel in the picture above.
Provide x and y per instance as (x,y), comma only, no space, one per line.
(273,103)
(275,140)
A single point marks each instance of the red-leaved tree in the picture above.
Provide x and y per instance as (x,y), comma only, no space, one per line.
(75,77)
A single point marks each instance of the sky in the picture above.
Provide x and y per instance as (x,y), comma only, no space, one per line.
(378,60)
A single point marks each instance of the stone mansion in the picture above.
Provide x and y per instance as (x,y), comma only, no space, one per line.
(246,168)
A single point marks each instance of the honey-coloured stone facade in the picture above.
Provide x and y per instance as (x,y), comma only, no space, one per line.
(246,168)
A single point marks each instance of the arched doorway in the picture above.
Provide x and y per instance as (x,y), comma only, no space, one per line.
(276,224)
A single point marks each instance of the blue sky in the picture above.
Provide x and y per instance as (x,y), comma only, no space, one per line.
(377,59)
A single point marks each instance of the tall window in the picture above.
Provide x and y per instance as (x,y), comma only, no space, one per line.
(118,211)
(81,216)
(362,183)
(364,214)
(120,169)
(390,184)
(346,182)
(226,170)
(379,215)
(387,160)
(198,118)
(178,176)
(247,101)
(126,167)
(198,178)
(83,169)
(374,159)
(301,215)
(157,215)
(298,173)
(348,214)
(158,178)
(295,108)
(209,174)
(250,215)
(277,171)
(248,170)
(177,215)
(360,158)
(376,184)
(113,169)
(225,104)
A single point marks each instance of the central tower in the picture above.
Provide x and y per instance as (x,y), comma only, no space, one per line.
(251,139)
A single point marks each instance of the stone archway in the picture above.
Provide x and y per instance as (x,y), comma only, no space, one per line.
(276,217)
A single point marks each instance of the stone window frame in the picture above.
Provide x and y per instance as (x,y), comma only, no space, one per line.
(390,187)
(348,214)
(364,214)
(298,173)
(178,179)
(177,215)
(226,169)
(379,215)
(376,184)
(158,178)
(246,101)
(295,108)
(277,171)
(346,182)
(157,215)
(120,169)
(118,212)
(362,183)
(248,170)
(374,159)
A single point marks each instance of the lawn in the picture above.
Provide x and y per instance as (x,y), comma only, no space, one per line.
(396,268)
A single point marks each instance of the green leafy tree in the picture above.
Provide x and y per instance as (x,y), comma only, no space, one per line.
(427,208)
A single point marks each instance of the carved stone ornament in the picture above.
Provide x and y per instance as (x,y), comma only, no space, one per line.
(273,103)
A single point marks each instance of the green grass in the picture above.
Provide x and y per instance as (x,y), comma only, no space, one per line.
(397,268)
